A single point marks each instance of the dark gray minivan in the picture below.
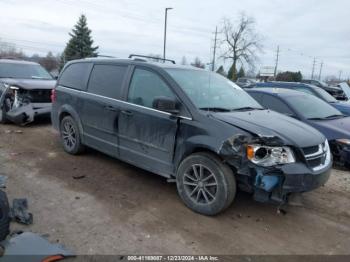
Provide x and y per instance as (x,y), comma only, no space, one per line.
(189,125)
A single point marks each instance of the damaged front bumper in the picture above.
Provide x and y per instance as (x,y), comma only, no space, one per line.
(26,114)
(276,184)
(19,108)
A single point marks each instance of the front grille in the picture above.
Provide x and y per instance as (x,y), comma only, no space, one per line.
(316,156)
(310,150)
(40,96)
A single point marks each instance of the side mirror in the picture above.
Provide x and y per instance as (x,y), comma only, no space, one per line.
(166,104)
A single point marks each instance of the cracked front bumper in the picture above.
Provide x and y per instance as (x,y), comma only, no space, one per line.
(275,185)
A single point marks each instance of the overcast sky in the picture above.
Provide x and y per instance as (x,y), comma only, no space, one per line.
(302,28)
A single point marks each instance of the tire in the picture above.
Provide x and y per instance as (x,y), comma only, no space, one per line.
(3,110)
(4,216)
(70,136)
(209,190)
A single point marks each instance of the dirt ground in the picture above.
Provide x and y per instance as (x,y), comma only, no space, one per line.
(119,209)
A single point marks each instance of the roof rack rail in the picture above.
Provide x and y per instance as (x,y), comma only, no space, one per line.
(152,57)
(106,56)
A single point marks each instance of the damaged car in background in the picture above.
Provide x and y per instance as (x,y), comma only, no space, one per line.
(194,127)
(25,89)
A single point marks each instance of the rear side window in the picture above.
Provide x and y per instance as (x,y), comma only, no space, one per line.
(76,76)
(107,80)
(276,104)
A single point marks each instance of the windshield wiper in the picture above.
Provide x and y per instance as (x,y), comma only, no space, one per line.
(216,109)
(327,117)
(334,116)
(247,108)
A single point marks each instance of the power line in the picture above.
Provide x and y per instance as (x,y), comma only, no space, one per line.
(214,51)
(277,56)
(319,76)
(313,68)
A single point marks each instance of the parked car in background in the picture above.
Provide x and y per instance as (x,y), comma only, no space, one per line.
(245,82)
(342,106)
(325,118)
(25,89)
(345,87)
(209,136)
(336,92)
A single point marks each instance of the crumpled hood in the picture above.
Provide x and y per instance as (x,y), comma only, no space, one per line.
(333,128)
(269,123)
(30,84)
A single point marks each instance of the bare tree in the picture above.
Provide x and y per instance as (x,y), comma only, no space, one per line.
(9,50)
(241,43)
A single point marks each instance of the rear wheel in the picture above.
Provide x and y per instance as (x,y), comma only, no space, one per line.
(4,216)
(205,184)
(4,109)
(70,136)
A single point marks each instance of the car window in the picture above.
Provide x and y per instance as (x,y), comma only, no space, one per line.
(107,80)
(305,90)
(23,71)
(211,90)
(326,96)
(145,86)
(319,109)
(276,104)
(75,76)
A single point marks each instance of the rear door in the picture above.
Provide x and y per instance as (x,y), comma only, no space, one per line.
(146,135)
(100,109)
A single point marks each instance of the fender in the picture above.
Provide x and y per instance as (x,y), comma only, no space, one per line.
(67,109)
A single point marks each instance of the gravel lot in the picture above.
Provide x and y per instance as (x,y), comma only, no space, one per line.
(119,209)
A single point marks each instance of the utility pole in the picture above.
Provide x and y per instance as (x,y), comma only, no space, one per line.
(214,52)
(313,68)
(340,72)
(165,25)
(319,76)
(277,56)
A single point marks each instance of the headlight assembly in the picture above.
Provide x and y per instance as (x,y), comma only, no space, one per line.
(269,156)
(343,141)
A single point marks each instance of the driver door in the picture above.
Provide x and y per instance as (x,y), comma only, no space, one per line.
(146,135)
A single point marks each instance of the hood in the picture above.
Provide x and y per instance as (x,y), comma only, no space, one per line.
(30,84)
(269,123)
(343,107)
(333,128)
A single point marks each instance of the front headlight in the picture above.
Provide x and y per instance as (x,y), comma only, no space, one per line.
(269,156)
(343,141)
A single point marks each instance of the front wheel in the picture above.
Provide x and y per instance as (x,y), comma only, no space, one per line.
(70,136)
(205,184)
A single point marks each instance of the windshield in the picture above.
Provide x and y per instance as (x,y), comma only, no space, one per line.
(325,95)
(23,71)
(209,90)
(312,107)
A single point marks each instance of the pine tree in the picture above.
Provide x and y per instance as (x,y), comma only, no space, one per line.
(80,44)
(221,71)
(241,72)
(232,73)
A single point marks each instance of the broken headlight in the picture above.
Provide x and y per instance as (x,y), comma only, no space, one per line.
(269,156)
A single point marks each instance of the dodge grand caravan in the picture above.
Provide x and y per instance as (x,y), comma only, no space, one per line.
(189,125)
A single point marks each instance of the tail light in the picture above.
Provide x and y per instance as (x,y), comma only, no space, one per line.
(53,95)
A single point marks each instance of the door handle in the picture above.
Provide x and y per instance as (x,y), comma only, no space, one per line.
(127,112)
(111,108)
